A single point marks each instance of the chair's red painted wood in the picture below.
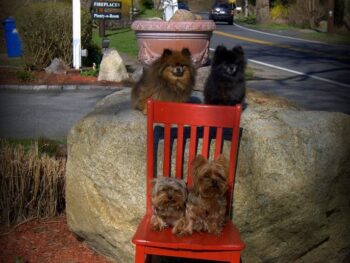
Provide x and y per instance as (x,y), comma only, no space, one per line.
(228,245)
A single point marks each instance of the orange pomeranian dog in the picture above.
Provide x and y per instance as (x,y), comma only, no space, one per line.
(169,78)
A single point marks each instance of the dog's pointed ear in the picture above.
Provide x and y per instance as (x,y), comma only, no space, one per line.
(220,49)
(166,52)
(219,54)
(186,52)
(196,163)
(224,163)
(239,52)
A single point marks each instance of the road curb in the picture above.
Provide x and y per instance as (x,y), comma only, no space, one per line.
(70,87)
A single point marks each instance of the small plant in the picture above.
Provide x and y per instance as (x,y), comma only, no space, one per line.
(25,76)
(93,72)
(251,19)
(18,259)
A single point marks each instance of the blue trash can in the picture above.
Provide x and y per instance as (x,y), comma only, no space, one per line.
(13,42)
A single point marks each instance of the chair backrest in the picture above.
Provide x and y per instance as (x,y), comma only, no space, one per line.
(188,124)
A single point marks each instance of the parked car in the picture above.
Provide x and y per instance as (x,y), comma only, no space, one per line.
(222,12)
(183,6)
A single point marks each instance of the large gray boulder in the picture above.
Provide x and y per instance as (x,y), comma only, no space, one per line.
(291,199)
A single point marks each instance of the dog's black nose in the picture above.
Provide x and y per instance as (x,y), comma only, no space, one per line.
(178,71)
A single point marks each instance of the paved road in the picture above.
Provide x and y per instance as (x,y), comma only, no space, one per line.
(313,74)
(28,114)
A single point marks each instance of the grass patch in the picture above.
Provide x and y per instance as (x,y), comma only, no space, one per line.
(5,61)
(123,40)
(42,145)
(148,13)
(249,73)
(328,38)
(31,182)
(25,75)
(90,72)
(250,22)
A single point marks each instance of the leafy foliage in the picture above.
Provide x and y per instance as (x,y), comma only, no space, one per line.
(46,31)
(25,76)
(279,11)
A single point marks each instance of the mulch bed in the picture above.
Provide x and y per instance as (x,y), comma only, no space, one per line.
(44,240)
(10,76)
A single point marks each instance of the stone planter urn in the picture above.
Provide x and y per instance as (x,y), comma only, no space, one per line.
(155,35)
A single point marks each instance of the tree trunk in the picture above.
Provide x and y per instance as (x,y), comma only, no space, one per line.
(310,9)
(262,11)
(246,10)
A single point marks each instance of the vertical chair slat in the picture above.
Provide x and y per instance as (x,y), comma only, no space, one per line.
(218,142)
(179,151)
(193,145)
(205,145)
(167,148)
(150,154)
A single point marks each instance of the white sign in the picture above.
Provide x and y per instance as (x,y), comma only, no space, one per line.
(106,16)
(107,4)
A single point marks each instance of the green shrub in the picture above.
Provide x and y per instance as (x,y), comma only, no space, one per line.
(25,76)
(251,19)
(46,32)
(90,72)
(278,11)
(94,55)
(148,4)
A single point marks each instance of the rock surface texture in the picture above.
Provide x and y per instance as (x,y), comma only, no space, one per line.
(56,66)
(291,200)
(112,67)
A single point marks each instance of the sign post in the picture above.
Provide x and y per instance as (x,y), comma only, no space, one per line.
(76,34)
(106,9)
(103,10)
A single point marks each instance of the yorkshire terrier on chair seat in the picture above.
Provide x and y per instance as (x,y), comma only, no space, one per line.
(168,202)
(206,204)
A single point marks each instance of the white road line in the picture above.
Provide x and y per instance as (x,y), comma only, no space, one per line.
(296,72)
(281,36)
(300,73)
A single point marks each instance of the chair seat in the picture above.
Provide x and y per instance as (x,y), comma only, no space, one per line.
(228,240)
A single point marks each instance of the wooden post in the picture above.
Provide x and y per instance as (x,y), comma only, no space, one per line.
(330,24)
(101,29)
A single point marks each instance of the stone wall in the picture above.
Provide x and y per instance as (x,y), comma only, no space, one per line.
(291,195)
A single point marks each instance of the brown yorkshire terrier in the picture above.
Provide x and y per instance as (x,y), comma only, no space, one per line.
(169,78)
(206,204)
(168,202)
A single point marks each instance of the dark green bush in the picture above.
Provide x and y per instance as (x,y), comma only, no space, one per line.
(46,32)
(94,55)
(25,76)
(148,4)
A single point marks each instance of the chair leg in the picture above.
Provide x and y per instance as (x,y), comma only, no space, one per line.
(139,254)
(236,257)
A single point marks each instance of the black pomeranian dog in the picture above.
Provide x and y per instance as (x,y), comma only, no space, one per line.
(226,83)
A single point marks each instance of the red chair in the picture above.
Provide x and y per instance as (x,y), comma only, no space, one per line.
(188,122)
